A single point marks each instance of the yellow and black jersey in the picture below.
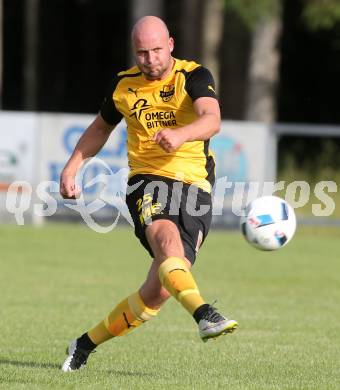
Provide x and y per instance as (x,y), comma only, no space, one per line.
(149,106)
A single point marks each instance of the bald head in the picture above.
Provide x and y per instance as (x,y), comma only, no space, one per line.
(149,25)
(152,47)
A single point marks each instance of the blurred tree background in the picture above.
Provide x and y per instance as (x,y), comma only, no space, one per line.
(273,60)
(293,75)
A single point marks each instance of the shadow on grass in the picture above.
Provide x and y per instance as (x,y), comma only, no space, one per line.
(128,373)
(17,363)
(28,364)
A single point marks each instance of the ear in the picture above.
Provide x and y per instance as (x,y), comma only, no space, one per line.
(171,44)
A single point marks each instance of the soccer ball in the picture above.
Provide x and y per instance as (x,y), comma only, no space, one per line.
(269,223)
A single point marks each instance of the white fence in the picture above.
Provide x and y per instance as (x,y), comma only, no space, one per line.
(34,147)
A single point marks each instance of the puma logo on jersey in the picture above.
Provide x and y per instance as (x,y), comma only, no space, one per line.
(131,90)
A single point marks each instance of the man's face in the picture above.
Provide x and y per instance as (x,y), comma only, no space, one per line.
(153,55)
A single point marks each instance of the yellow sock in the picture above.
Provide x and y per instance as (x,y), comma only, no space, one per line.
(125,317)
(178,280)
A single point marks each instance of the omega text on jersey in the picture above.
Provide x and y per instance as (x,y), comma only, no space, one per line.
(160,119)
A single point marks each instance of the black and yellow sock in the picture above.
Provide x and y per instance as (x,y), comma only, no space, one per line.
(125,317)
(200,312)
(176,277)
(84,342)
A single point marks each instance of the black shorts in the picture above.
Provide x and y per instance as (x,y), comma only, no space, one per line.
(151,197)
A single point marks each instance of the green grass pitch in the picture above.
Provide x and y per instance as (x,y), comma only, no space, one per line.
(59,280)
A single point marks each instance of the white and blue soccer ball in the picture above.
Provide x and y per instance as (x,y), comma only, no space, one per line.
(269,223)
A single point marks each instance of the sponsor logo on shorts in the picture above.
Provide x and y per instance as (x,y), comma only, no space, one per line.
(147,209)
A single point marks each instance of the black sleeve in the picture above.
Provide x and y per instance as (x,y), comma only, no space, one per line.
(108,109)
(200,83)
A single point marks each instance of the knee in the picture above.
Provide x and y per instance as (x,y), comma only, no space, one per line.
(166,244)
(165,240)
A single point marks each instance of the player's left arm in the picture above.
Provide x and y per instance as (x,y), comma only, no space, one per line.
(201,88)
(204,127)
(208,122)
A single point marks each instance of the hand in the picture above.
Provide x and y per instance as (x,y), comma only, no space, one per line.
(68,187)
(169,139)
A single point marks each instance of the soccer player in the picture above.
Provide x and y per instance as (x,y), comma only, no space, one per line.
(171,111)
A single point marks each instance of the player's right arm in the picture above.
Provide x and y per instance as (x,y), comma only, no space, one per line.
(89,144)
